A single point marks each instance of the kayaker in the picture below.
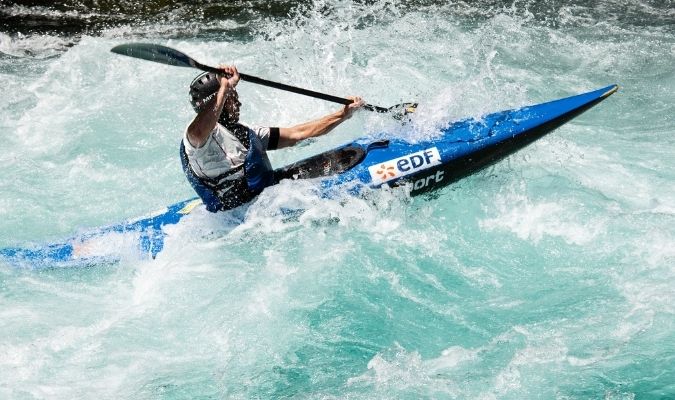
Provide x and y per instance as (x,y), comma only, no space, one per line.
(224,160)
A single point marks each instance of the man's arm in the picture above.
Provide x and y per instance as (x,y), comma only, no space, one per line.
(290,136)
(200,128)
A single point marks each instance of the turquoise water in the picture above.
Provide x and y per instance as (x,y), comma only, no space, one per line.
(548,275)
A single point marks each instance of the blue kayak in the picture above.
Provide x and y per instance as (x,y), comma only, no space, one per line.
(461,149)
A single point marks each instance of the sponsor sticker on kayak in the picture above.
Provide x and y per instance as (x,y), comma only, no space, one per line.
(403,166)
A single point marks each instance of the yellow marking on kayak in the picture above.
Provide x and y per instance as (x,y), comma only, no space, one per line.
(610,91)
(190,206)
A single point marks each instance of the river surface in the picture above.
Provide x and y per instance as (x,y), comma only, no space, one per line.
(549,275)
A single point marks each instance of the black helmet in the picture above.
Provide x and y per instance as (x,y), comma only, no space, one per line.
(202,89)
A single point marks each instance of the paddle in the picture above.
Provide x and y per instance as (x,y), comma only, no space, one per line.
(167,55)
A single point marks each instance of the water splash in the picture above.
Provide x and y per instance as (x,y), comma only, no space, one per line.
(543,276)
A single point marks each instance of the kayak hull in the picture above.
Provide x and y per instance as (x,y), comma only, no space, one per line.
(461,149)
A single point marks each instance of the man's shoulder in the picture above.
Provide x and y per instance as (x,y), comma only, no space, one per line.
(188,142)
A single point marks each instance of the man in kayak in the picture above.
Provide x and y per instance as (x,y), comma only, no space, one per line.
(224,160)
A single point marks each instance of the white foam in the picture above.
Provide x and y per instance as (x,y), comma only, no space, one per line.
(30,45)
(400,370)
(239,294)
(534,220)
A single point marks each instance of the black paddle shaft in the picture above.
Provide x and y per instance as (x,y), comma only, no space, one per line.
(167,55)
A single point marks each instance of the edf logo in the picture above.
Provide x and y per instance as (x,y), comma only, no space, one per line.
(402,166)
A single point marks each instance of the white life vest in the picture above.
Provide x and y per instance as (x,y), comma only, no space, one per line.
(221,153)
(232,164)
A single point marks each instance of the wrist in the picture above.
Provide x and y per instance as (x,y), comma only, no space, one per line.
(342,113)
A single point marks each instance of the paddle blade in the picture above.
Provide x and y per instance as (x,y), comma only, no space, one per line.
(156,53)
(401,110)
(398,111)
